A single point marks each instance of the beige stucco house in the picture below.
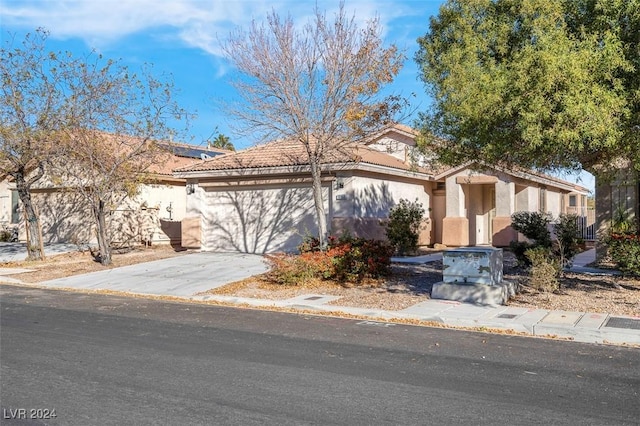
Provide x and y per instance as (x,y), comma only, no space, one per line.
(259,199)
(8,204)
(154,215)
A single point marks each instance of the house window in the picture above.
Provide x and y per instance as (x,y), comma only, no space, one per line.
(572,201)
(15,216)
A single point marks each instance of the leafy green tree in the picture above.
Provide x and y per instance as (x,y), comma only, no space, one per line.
(545,84)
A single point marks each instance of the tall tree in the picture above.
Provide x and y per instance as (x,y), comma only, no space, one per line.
(31,110)
(544,84)
(318,85)
(113,119)
(85,121)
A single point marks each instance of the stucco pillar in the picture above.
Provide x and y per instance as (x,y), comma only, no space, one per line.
(604,213)
(455,231)
(455,226)
(455,199)
(503,234)
(191,234)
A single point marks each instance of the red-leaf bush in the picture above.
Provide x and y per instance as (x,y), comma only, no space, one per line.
(347,259)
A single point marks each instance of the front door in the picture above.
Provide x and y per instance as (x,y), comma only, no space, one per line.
(481,229)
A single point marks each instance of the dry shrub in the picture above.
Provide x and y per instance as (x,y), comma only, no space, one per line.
(544,270)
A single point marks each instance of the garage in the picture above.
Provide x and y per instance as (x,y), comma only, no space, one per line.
(257,219)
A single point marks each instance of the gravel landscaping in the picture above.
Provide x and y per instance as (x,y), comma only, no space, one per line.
(411,284)
(406,286)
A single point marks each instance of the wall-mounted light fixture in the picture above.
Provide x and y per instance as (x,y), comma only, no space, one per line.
(170,209)
(339,183)
(191,188)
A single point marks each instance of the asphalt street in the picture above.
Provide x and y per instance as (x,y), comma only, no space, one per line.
(101,359)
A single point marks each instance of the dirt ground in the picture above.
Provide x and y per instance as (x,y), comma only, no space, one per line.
(406,286)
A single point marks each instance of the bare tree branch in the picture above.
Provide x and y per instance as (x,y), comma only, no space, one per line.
(318,85)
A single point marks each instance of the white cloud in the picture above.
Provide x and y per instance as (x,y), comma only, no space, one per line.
(198,23)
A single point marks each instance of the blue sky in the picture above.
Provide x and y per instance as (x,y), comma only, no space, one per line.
(181,37)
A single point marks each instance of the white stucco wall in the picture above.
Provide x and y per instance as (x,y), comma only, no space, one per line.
(66,217)
(393,147)
(554,203)
(5,202)
(455,198)
(505,198)
(372,197)
(527,199)
(163,196)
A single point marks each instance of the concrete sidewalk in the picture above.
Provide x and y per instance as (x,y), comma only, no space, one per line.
(589,327)
(586,327)
(193,273)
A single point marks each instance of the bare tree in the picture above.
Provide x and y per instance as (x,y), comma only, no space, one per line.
(31,109)
(114,118)
(318,85)
(87,122)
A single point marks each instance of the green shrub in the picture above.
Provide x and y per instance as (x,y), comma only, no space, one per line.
(309,243)
(534,226)
(568,237)
(519,248)
(403,226)
(544,269)
(622,222)
(5,236)
(624,250)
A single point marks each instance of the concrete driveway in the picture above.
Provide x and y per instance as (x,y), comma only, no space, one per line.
(182,276)
(14,252)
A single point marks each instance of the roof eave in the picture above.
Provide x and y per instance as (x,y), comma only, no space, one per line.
(332,167)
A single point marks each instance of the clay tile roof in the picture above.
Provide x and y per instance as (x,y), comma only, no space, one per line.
(168,163)
(287,153)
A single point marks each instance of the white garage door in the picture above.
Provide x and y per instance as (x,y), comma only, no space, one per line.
(258,219)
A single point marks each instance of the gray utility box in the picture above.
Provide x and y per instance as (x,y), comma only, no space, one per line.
(472,265)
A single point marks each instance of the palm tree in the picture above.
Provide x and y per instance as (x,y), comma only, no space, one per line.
(221,141)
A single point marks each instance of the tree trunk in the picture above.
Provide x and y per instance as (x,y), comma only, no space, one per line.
(103,241)
(32,222)
(316,175)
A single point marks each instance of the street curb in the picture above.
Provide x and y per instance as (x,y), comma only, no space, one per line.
(530,323)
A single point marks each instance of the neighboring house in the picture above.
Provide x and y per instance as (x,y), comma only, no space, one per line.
(153,216)
(8,204)
(259,199)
